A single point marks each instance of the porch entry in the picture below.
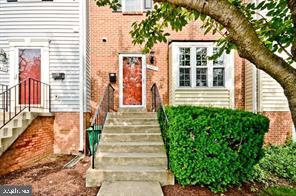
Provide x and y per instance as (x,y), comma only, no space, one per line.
(132,80)
(29,64)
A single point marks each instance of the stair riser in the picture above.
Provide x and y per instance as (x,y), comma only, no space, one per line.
(132,110)
(135,149)
(133,115)
(95,178)
(120,129)
(136,161)
(127,123)
(5,133)
(129,138)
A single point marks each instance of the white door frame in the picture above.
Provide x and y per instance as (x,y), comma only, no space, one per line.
(121,105)
(14,61)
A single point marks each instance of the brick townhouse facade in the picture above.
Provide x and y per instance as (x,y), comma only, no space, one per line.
(80,44)
(249,89)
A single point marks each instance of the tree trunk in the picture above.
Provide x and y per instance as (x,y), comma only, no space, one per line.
(249,46)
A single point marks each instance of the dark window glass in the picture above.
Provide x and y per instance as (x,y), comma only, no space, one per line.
(148,4)
(218,77)
(185,77)
(220,60)
(201,56)
(184,57)
(201,77)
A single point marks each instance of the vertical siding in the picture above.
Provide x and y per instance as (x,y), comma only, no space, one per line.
(57,21)
(250,87)
(272,96)
(87,74)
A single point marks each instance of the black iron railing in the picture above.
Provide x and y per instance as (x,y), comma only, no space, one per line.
(28,94)
(106,105)
(158,106)
(3,88)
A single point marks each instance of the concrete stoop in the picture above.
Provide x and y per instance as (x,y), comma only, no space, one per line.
(130,188)
(131,149)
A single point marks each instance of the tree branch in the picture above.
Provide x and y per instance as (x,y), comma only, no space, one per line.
(292,7)
(243,35)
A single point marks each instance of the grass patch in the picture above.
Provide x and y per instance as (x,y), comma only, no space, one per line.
(278,191)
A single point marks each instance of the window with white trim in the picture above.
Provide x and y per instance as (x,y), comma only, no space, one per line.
(135,5)
(197,70)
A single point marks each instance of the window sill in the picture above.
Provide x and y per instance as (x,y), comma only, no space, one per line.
(133,13)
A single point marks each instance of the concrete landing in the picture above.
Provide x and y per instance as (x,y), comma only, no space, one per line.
(130,188)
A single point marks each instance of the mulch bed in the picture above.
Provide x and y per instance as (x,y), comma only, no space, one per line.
(50,178)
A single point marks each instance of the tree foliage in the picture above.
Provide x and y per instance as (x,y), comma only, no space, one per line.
(271,19)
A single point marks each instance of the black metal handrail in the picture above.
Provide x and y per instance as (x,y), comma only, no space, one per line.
(3,88)
(106,105)
(158,106)
(28,94)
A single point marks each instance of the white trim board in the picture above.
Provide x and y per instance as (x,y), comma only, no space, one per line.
(121,105)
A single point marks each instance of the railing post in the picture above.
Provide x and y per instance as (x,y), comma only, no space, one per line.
(93,149)
(49,99)
(30,95)
(108,106)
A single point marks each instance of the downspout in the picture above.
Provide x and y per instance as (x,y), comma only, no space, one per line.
(82,51)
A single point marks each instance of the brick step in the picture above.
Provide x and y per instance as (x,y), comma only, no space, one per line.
(135,159)
(131,137)
(95,177)
(155,147)
(133,115)
(131,129)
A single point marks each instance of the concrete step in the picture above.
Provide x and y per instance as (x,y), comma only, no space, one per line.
(135,159)
(154,147)
(95,177)
(130,188)
(5,133)
(131,121)
(133,115)
(131,129)
(131,137)
(134,109)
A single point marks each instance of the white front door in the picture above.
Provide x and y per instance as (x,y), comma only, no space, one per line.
(132,80)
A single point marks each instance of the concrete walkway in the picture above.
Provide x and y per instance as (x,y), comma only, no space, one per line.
(130,188)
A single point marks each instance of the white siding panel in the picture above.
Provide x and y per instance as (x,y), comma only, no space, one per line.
(272,97)
(58,22)
(204,97)
(250,87)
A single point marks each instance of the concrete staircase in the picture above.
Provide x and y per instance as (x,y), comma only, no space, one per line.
(131,149)
(11,131)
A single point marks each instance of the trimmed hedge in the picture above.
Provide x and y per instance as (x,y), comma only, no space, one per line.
(213,147)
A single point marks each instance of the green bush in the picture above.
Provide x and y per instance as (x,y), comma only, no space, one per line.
(278,162)
(213,147)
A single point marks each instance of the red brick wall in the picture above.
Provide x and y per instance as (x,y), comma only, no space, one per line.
(280,127)
(34,144)
(66,133)
(239,82)
(104,55)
